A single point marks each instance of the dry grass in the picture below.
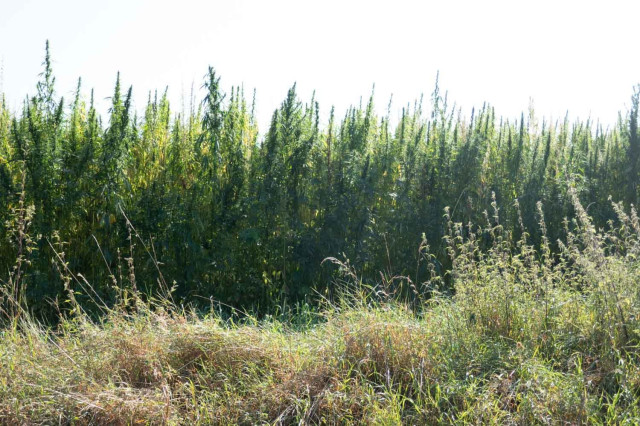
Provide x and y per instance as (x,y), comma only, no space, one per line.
(367,365)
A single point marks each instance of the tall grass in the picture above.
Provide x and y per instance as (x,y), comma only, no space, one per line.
(527,337)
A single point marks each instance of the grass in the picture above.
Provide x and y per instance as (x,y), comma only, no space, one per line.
(376,364)
(528,338)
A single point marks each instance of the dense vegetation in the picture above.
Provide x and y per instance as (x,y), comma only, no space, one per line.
(198,203)
(442,269)
(526,339)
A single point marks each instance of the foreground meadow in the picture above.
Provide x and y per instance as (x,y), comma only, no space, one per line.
(526,338)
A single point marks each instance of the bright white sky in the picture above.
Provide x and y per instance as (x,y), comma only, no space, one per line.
(580,56)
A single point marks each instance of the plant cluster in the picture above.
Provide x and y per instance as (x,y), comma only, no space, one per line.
(248,220)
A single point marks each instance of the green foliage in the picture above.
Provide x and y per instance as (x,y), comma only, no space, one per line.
(247,220)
